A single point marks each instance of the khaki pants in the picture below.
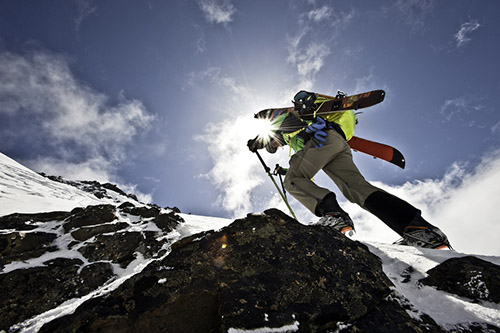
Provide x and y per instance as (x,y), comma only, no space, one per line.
(335,159)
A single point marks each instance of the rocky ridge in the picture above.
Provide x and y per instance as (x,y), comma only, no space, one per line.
(122,265)
(263,271)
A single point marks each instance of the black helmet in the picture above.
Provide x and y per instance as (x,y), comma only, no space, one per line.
(304,101)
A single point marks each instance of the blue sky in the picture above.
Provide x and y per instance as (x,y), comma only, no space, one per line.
(159,96)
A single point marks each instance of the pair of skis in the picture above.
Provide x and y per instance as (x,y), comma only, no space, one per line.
(353,102)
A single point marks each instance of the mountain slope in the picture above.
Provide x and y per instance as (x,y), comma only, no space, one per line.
(20,185)
(104,261)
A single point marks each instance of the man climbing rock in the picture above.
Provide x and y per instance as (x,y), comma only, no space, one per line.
(320,143)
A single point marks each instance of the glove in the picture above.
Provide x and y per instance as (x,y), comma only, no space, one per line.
(255,144)
(318,138)
(319,124)
(318,134)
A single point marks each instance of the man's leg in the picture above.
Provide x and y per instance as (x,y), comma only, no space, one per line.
(399,215)
(394,212)
(304,165)
(347,177)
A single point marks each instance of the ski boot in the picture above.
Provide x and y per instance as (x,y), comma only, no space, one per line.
(333,216)
(420,233)
(338,221)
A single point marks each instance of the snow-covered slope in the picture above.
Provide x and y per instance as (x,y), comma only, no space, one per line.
(446,309)
(25,191)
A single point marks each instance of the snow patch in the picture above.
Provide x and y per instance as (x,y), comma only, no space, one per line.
(446,309)
(287,328)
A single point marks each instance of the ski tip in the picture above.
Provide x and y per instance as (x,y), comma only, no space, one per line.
(398,159)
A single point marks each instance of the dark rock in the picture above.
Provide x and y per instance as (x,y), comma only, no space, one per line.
(144,211)
(94,275)
(100,194)
(18,246)
(85,233)
(63,262)
(21,222)
(407,274)
(150,247)
(91,215)
(266,270)
(168,222)
(391,316)
(469,277)
(114,188)
(174,209)
(118,248)
(94,187)
(261,271)
(28,292)
(126,204)
(77,210)
(58,179)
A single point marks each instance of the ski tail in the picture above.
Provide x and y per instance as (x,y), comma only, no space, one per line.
(378,150)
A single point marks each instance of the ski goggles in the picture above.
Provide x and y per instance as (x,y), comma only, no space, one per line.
(303,96)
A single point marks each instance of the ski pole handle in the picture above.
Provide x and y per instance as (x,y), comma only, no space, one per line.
(278,170)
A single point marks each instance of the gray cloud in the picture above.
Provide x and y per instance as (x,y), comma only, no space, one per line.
(39,91)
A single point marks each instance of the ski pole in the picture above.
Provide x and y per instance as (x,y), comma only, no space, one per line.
(279,174)
(268,171)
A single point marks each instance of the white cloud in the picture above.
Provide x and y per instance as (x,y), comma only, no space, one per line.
(312,60)
(142,197)
(309,48)
(453,106)
(495,129)
(367,83)
(342,19)
(81,124)
(320,14)
(462,35)
(471,218)
(235,172)
(308,60)
(84,9)
(463,108)
(217,11)
(97,168)
(468,211)
(200,41)
(463,204)
(412,12)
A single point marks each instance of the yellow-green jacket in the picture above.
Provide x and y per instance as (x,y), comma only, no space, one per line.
(289,128)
